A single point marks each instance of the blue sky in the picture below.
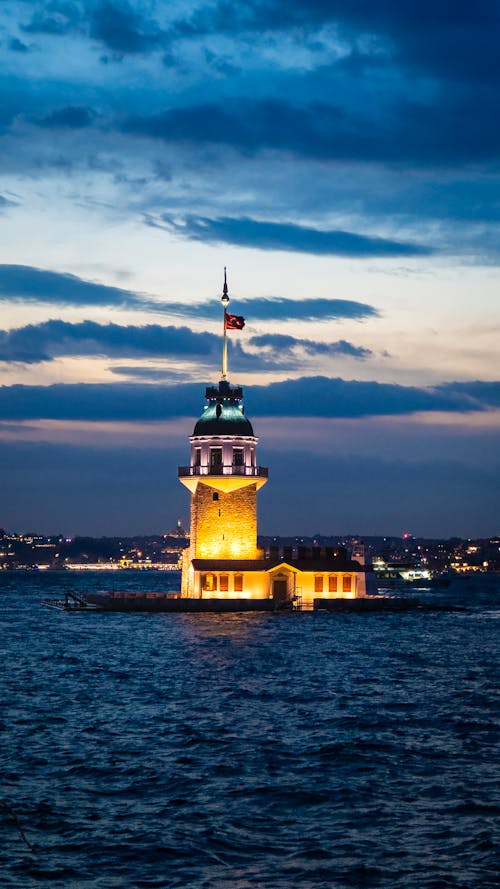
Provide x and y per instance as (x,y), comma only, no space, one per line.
(341,158)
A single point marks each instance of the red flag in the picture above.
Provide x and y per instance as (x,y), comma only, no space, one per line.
(234,322)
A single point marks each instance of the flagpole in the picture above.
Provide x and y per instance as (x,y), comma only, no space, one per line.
(224,300)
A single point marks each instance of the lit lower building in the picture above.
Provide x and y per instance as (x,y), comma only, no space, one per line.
(223,477)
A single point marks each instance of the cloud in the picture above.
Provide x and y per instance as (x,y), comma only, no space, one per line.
(5,202)
(487,392)
(154,374)
(245,232)
(55,18)
(50,339)
(283,343)
(303,397)
(16,45)
(325,397)
(72,117)
(123,30)
(405,131)
(443,38)
(270,308)
(41,285)
(18,282)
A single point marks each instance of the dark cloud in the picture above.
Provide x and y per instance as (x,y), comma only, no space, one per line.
(127,401)
(324,397)
(16,45)
(440,36)
(18,282)
(478,390)
(43,342)
(263,308)
(72,117)
(246,232)
(283,343)
(402,131)
(123,30)
(39,285)
(303,397)
(457,40)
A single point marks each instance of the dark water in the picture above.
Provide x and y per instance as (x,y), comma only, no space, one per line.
(229,751)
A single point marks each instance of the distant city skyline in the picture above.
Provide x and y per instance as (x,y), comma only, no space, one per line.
(342,160)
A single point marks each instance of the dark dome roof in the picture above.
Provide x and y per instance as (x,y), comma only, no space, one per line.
(223,419)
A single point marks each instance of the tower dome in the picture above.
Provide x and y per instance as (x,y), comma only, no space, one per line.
(223,414)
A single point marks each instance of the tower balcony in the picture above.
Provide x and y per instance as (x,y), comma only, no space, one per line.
(223,477)
(226,469)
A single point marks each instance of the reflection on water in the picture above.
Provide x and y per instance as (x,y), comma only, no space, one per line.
(228,751)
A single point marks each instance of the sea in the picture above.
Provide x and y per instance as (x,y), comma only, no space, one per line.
(320,751)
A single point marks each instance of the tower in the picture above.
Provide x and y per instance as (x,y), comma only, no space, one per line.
(223,478)
(223,561)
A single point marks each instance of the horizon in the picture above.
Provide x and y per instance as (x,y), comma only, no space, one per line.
(405,536)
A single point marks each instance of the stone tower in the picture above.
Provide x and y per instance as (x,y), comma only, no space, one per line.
(223,478)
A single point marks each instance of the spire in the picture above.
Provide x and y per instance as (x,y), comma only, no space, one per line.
(224,300)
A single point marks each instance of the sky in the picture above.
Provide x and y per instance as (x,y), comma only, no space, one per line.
(342,159)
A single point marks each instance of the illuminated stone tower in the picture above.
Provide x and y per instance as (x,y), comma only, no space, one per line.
(223,478)
(223,562)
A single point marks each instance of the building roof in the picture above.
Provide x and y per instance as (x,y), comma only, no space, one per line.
(230,564)
(314,566)
(223,418)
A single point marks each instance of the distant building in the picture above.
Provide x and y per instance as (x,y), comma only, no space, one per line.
(223,476)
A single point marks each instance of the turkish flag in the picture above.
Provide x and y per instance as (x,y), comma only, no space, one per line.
(234,322)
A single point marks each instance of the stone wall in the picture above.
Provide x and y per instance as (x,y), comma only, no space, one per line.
(224,528)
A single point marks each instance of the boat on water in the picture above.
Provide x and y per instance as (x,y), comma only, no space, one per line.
(407,575)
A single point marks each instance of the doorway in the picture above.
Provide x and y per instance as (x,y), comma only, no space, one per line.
(280,590)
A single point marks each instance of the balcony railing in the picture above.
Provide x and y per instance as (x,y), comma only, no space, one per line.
(226,469)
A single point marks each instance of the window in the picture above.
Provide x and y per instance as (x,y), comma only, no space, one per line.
(197,456)
(224,583)
(238,583)
(215,495)
(215,460)
(209,583)
(332,583)
(318,583)
(346,583)
(238,457)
